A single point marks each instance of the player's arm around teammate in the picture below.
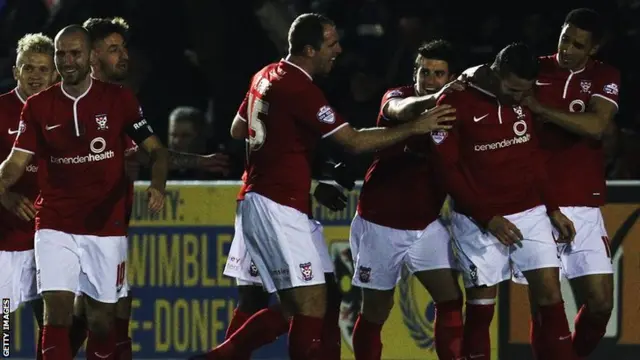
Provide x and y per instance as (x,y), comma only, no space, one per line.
(399,186)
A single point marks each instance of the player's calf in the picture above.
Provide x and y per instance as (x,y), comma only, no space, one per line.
(442,285)
(596,291)
(101,341)
(58,312)
(555,336)
(122,319)
(376,307)
(331,335)
(78,330)
(476,338)
(308,304)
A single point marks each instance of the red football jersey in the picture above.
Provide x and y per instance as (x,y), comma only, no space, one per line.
(15,234)
(80,145)
(577,162)
(287,115)
(490,160)
(399,190)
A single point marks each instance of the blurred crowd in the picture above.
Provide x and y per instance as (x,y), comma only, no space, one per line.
(191,60)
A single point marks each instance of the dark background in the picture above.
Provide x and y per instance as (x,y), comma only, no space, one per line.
(202,53)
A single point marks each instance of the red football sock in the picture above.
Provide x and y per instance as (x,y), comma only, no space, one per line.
(537,346)
(55,343)
(39,346)
(448,329)
(305,338)
(555,333)
(589,330)
(99,348)
(261,329)
(77,334)
(331,337)
(476,341)
(123,341)
(367,342)
(238,319)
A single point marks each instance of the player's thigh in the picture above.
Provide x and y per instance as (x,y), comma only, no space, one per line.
(481,258)
(596,291)
(317,234)
(57,257)
(103,270)
(379,252)
(590,252)
(431,260)
(252,297)
(279,241)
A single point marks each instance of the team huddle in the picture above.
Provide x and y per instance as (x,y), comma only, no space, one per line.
(513,147)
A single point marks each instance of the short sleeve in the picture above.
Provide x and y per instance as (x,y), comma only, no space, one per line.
(606,84)
(135,124)
(243,109)
(388,96)
(27,139)
(312,109)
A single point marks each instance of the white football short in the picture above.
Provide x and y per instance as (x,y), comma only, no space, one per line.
(279,242)
(589,253)
(486,261)
(18,277)
(379,252)
(92,265)
(243,269)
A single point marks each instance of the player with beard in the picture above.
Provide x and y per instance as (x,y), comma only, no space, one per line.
(505,209)
(575,100)
(111,64)
(34,71)
(397,223)
(77,129)
(283,117)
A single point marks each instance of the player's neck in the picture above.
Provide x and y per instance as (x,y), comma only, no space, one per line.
(302,63)
(580,66)
(21,94)
(78,89)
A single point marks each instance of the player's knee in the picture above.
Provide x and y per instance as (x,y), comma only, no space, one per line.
(600,305)
(481,293)
(377,305)
(305,300)
(100,317)
(58,308)
(252,298)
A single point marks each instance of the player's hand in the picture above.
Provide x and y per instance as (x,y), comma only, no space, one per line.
(564,226)
(330,197)
(504,230)
(341,175)
(216,163)
(20,205)
(458,84)
(156,199)
(437,118)
(530,101)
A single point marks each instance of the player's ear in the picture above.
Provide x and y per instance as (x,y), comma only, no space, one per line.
(594,50)
(15,73)
(309,51)
(93,57)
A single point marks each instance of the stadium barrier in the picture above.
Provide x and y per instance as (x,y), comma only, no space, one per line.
(183,303)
